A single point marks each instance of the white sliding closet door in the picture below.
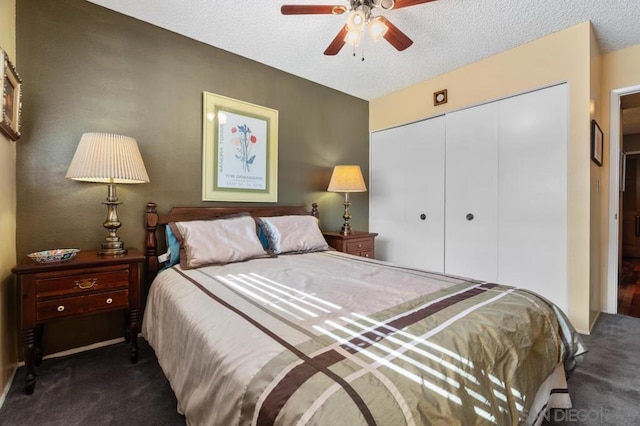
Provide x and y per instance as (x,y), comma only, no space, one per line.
(532,237)
(471,234)
(407,182)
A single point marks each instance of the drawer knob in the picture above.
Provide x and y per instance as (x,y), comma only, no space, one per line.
(366,255)
(60,308)
(109,301)
(86,283)
(359,245)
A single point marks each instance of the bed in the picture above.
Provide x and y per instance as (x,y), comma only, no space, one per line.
(302,334)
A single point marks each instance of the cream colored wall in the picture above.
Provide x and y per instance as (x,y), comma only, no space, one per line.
(8,344)
(596,278)
(562,56)
(620,69)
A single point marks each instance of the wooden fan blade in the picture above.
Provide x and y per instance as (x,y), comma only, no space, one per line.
(337,42)
(395,37)
(406,3)
(300,9)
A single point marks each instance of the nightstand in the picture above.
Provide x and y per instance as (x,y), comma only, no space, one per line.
(356,243)
(85,285)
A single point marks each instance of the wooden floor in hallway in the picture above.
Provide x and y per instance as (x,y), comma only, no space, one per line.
(629,287)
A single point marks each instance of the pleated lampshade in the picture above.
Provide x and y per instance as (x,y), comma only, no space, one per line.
(347,179)
(107,158)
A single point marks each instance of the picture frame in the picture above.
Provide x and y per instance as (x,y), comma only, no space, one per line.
(596,143)
(11,95)
(239,151)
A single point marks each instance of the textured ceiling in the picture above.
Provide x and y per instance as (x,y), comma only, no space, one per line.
(447,34)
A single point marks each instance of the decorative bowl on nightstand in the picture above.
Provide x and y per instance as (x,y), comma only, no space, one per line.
(55,255)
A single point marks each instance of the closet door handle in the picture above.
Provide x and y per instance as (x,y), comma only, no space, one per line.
(470,216)
(637,226)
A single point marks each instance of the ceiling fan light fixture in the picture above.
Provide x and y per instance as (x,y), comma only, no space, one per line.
(353,38)
(377,28)
(356,20)
(386,4)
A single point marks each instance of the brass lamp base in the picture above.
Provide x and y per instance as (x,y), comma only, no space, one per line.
(346,226)
(109,248)
(346,230)
(112,246)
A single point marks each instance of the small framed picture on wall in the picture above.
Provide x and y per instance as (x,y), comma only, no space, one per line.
(596,143)
(11,94)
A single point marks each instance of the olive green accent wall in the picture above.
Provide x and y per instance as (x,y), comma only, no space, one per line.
(8,311)
(89,69)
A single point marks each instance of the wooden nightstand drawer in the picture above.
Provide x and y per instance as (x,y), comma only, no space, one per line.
(59,308)
(356,243)
(359,246)
(67,306)
(110,300)
(368,254)
(74,284)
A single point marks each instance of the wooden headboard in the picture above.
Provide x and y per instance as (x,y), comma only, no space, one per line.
(153,221)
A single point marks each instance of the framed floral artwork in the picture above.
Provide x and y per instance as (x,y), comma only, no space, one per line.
(239,151)
(11,94)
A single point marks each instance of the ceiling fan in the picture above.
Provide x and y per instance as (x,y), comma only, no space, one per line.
(361,14)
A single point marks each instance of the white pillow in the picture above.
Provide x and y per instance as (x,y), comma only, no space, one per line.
(218,241)
(295,233)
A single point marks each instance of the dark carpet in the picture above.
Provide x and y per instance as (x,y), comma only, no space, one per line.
(605,388)
(97,387)
(101,387)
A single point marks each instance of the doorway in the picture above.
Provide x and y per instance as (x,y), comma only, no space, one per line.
(628,276)
(630,203)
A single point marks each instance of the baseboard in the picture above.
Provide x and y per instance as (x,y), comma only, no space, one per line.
(81,349)
(588,332)
(7,386)
(594,321)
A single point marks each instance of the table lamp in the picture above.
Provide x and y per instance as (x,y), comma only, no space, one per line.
(346,179)
(111,159)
